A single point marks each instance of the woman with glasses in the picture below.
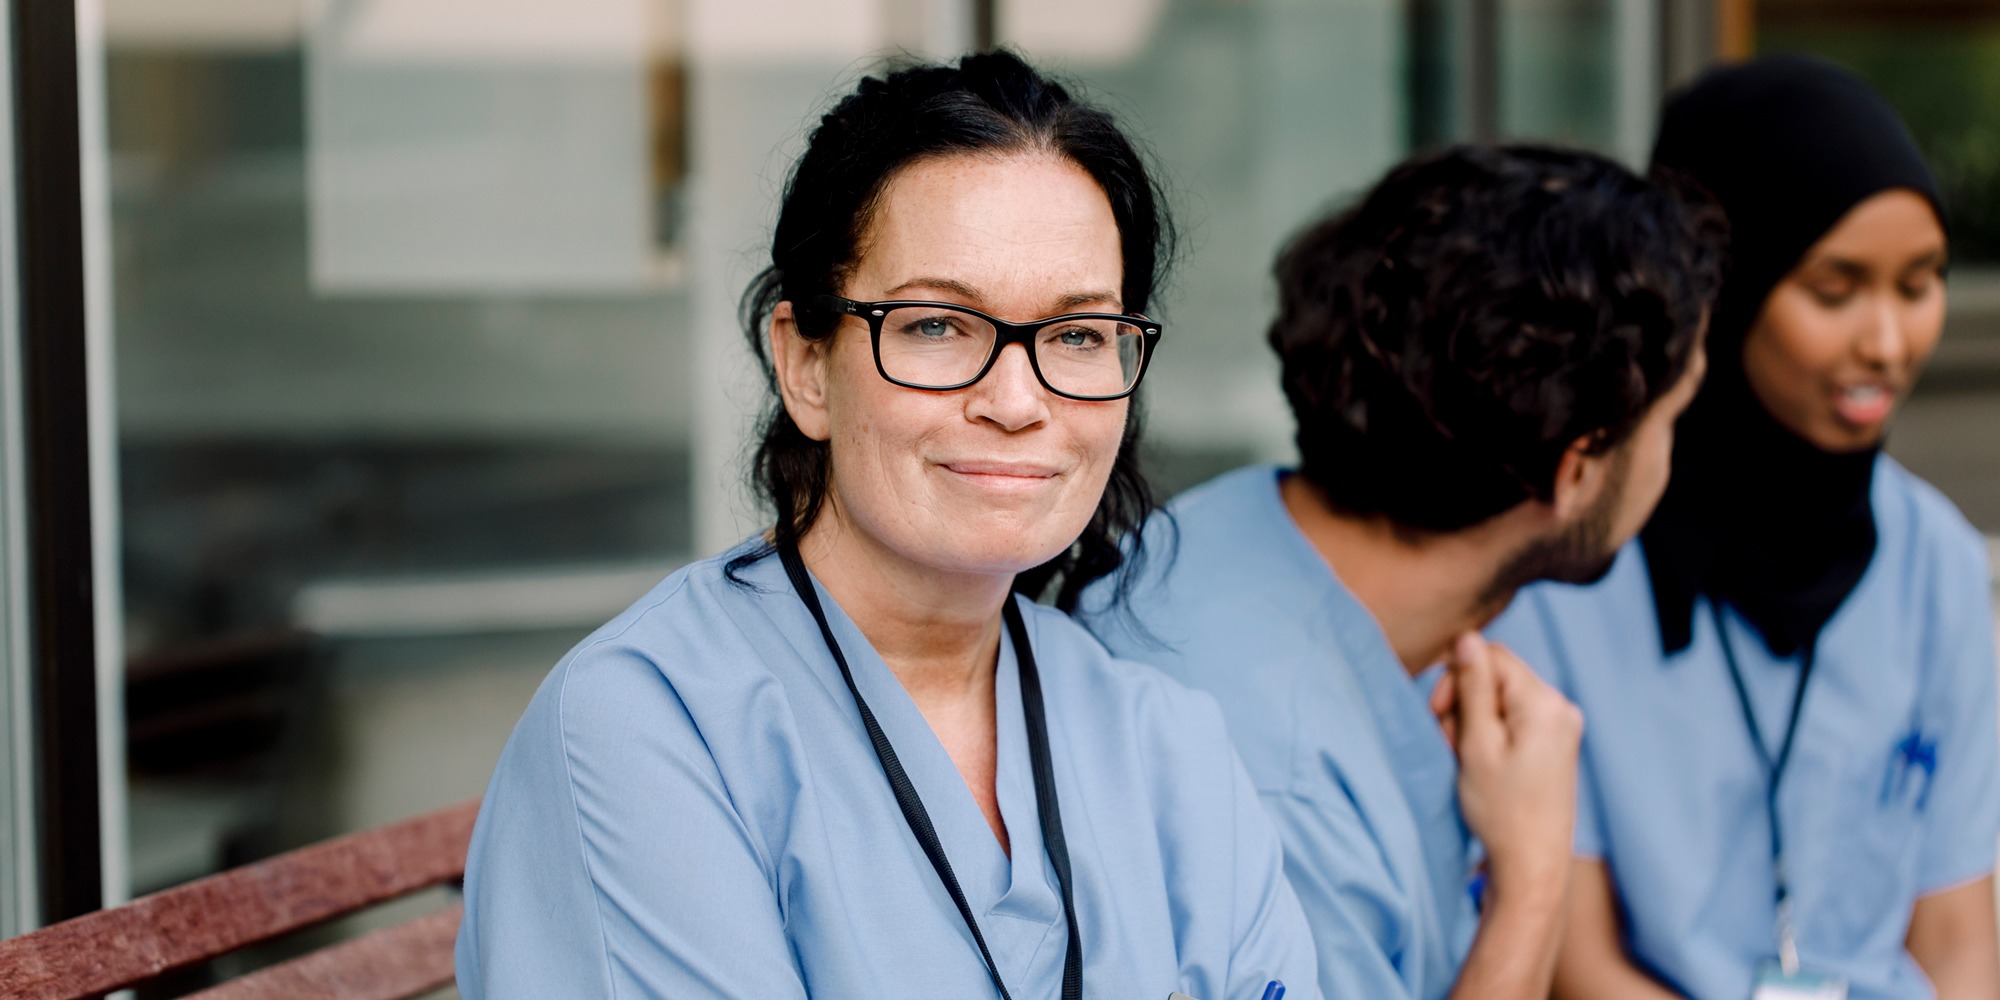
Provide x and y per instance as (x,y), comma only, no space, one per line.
(1791,778)
(851,757)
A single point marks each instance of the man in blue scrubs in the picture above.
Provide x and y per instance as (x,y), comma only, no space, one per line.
(1485,357)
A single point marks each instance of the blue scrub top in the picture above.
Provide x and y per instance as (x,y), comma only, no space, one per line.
(1231,598)
(1892,793)
(691,808)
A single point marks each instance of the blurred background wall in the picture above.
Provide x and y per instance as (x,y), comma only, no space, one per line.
(421,313)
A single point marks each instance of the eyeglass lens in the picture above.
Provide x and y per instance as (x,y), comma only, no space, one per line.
(931,347)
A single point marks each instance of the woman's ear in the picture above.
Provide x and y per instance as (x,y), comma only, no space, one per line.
(1580,477)
(801,366)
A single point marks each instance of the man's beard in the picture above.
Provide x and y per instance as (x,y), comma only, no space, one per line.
(1581,553)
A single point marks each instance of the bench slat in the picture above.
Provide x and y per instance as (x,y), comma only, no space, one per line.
(408,960)
(111,949)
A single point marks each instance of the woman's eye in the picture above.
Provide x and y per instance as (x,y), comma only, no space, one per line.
(1832,296)
(1079,337)
(932,328)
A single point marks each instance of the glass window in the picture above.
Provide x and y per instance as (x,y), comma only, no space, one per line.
(1261,113)
(1264,113)
(427,364)
(1557,72)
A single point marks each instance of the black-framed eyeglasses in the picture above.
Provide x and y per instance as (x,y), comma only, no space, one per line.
(941,347)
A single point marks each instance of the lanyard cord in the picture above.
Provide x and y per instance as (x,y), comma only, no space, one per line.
(912,805)
(1775,769)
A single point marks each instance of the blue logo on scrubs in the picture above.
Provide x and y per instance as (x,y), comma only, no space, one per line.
(1913,754)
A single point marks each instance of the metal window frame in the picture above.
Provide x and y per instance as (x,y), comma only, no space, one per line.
(1454,66)
(18,890)
(985,24)
(56,554)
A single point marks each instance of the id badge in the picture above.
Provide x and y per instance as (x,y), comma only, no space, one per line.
(1774,983)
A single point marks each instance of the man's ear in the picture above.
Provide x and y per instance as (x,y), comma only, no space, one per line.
(1579,477)
(801,367)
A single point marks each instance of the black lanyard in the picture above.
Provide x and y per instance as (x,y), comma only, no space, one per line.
(913,805)
(1775,769)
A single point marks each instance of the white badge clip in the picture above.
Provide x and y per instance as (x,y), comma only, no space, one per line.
(1774,983)
(1782,980)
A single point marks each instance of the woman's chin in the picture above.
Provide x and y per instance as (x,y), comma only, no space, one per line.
(999,555)
(1842,437)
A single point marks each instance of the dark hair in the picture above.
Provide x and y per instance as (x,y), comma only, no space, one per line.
(1444,341)
(989,104)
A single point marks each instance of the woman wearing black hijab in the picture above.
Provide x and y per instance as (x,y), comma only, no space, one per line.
(1791,777)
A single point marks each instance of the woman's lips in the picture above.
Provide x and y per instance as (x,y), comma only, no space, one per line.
(1002,478)
(1002,470)
(1866,405)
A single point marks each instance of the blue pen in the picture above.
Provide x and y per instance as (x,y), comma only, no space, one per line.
(1275,991)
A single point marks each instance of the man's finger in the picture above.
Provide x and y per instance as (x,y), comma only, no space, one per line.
(1477,690)
(1444,706)
(1444,696)
(1520,689)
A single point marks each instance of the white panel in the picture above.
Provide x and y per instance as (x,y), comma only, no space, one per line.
(479,146)
(1103,32)
(502,33)
(784,34)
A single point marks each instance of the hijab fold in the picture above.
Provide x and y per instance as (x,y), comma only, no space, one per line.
(1755,516)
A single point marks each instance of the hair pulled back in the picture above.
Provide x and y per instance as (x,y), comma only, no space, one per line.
(1445,340)
(990,104)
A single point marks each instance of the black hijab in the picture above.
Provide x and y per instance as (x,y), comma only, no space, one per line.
(1755,516)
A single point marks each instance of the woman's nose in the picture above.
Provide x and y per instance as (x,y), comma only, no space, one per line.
(1885,343)
(1010,395)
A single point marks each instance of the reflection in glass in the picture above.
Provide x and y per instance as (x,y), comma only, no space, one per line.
(402,341)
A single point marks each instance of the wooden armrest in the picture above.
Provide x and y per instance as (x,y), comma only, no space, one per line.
(408,960)
(112,949)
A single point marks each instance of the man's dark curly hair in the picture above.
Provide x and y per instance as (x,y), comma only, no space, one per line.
(1481,309)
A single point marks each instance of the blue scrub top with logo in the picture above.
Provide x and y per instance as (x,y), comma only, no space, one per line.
(1231,598)
(1892,792)
(691,808)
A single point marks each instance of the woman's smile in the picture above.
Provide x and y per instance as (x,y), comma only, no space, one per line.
(1865,405)
(1013,477)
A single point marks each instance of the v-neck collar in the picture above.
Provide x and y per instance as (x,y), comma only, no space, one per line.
(1397,705)
(1017,884)
(1397,701)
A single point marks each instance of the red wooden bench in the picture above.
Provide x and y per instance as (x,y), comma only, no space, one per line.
(154,935)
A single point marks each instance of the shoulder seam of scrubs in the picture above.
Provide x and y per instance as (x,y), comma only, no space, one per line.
(569,773)
(576,817)
(578,653)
